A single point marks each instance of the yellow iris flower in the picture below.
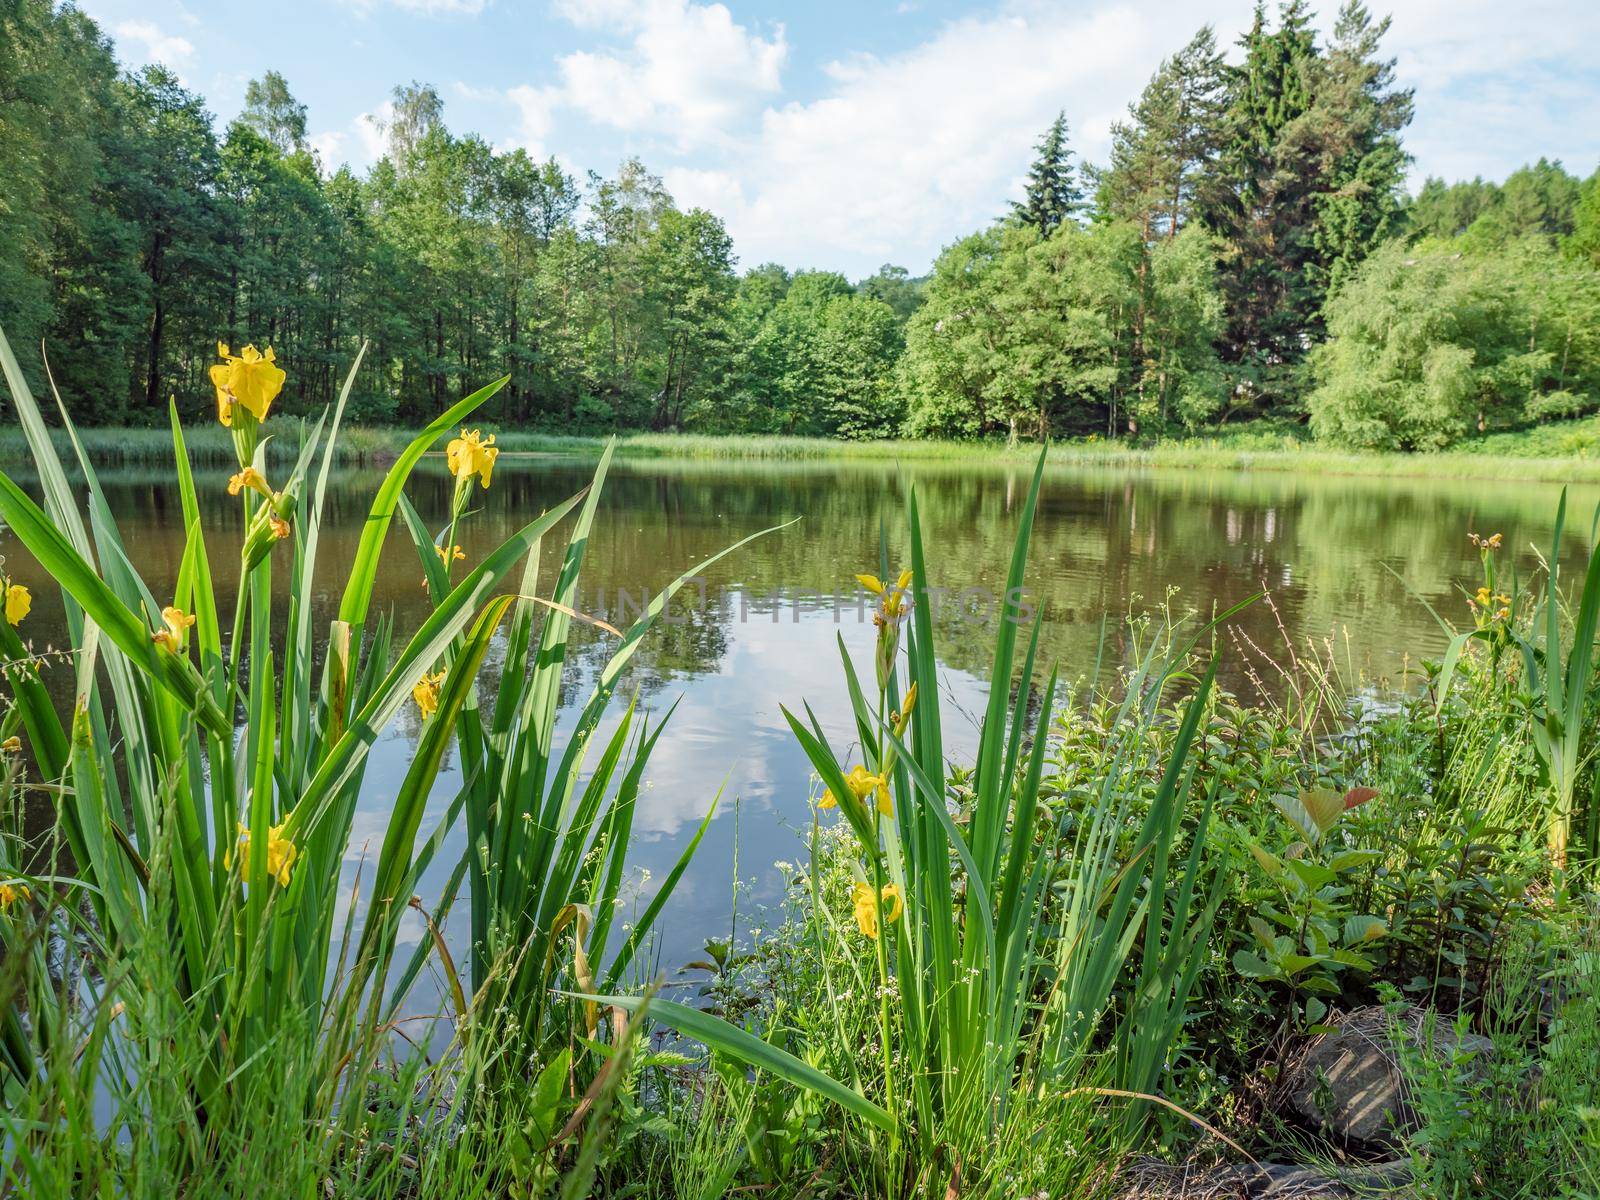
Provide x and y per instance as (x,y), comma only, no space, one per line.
(281,853)
(866,907)
(862,783)
(10,893)
(891,600)
(12,745)
(426,693)
(19,600)
(252,479)
(470,454)
(250,379)
(174,632)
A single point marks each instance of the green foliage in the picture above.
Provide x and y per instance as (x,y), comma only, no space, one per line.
(1306,184)
(1052,195)
(1162,155)
(1304,932)
(1429,344)
(818,357)
(982,951)
(1517,1118)
(1088,329)
(1584,242)
(132,230)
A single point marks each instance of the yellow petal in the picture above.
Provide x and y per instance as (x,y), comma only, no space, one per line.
(222,380)
(893,906)
(872,583)
(19,602)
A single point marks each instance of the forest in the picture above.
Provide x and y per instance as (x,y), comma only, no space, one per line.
(1249,250)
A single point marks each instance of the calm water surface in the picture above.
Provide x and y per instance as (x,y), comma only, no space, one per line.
(1349,559)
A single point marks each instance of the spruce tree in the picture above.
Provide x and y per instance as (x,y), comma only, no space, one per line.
(1309,183)
(1356,122)
(1052,195)
(1263,210)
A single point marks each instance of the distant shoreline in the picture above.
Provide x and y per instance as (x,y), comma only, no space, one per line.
(1533,456)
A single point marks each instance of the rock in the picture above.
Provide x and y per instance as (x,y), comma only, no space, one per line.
(1348,1082)
(1148,1179)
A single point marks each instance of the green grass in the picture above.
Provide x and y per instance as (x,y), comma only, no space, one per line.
(1567,451)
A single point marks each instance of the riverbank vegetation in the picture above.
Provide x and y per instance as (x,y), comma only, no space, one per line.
(1117,951)
(1247,251)
(1558,452)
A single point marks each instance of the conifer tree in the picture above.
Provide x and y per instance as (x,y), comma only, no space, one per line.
(1052,195)
(1162,155)
(1309,183)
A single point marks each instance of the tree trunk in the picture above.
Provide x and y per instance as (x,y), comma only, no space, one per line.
(158,321)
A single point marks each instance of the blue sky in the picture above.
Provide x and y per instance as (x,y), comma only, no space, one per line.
(836,134)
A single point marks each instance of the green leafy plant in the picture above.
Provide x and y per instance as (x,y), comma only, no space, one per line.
(993,965)
(1311,935)
(1558,652)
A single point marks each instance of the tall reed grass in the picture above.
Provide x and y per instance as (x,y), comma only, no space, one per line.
(1007,974)
(207,779)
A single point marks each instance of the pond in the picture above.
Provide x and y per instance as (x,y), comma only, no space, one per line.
(1351,562)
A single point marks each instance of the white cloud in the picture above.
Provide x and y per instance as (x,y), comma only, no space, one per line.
(906,152)
(360,145)
(892,156)
(329,148)
(370,130)
(689,72)
(536,115)
(155,45)
(696,187)
(475,92)
(1494,88)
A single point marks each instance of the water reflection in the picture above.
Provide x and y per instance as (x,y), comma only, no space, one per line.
(1355,556)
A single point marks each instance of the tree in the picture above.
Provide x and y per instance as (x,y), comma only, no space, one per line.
(1432,343)
(1583,244)
(691,265)
(1445,210)
(816,357)
(65,259)
(1262,209)
(1355,124)
(1180,380)
(895,287)
(1052,194)
(273,112)
(1309,181)
(167,190)
(1539,200)
(415,111)
(953,342)
(1038,336)
(1163,155)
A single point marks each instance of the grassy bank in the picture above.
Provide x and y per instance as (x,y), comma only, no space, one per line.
(1560,453)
